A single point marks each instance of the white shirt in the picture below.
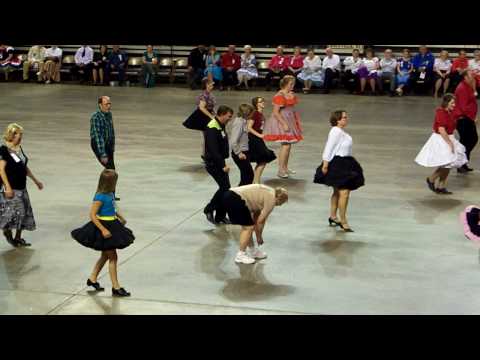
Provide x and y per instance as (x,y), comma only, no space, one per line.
(474,66)
(87,59)
(339,143)
(442,65)
(388,65)
(370,64)
(51,52)
(331,63)
(312,65)
(352,64)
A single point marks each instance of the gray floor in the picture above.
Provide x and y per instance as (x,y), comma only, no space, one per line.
(407,256)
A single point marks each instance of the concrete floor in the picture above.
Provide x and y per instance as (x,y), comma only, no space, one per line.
(407,256)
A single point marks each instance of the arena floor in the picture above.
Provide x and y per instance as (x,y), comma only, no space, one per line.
(407,255)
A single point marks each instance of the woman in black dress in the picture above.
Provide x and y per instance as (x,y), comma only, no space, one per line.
(15,208)
(339,169)
(100,60)
(259,153)
(204,112)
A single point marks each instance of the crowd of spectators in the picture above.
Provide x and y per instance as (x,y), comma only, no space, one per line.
(358,73)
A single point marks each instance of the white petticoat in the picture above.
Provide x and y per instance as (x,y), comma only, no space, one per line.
(437,153)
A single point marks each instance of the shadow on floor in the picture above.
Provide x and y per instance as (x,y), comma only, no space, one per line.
(196,171)
(109,305)
(426,210)
(340,253)
(15,262)
(253,286)
(214,254)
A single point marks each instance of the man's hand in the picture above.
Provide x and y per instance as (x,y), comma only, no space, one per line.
(242,156)
(226,169)
(9,193)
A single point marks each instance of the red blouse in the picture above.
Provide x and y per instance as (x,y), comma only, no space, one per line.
(283,101)
(444,119)
(258,120)
(295,62)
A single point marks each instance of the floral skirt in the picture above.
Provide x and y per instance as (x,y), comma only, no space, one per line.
(16,213)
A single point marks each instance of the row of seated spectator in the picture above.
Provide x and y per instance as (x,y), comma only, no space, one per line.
(89,65)
(421,72)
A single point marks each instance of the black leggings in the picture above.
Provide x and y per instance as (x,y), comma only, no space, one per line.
(467,130)
(223,182)
(246,171)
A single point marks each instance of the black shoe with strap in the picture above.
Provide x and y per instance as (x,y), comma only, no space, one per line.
(22,242)
(333,222)
(120,292)
(431,185)
(95,285)
(444,191)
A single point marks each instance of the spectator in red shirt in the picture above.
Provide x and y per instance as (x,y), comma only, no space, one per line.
(295,62)
(459,67)
(277,66)
(230,64)
(466,115)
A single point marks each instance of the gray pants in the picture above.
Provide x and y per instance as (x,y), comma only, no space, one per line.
(387,76)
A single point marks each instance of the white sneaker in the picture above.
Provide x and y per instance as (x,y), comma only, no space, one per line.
(282,175)
(292,172)
(39,73)
(256,253)
(243,258)
(47,82)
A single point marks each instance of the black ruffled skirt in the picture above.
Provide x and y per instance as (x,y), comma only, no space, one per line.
(197,121)
(343,173)
(259,153)
(90,236)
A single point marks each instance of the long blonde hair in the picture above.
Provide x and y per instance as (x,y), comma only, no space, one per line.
(11,130)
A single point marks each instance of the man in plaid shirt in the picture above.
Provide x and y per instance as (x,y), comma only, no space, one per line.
(102,134)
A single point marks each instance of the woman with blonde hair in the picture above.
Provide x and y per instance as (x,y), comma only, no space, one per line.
(106,232)
(284,125)
(250,206)
(239,144)
(15,208)
(248,67)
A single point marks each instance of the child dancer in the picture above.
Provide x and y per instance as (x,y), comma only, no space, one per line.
(258,151)
(239,144)
(105,232)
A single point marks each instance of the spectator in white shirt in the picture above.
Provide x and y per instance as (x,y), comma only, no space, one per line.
(83,62)
(368,71)
(442,68)
(311,73)
(331,67)
(474,66)
(53,63)
(35,60)
(352,64)
(387,69)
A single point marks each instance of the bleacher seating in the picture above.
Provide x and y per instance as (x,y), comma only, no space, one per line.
(174,59)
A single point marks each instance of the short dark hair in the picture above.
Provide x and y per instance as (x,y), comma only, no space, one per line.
(446,100)
(223,109)
(100,99)
(256,100)
(336,116)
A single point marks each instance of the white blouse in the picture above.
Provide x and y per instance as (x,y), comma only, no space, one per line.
(339,143)
(442,65)
(312,65)
(371,64)
(474,66)
(352,64)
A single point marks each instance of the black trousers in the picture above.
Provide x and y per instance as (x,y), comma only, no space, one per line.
(229,77)
(195,77)
(246,171)
(329,76)
(87,71)
(421,87)
(216,203)
(270,75)
(467,130)
(350,81)
(111,162)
